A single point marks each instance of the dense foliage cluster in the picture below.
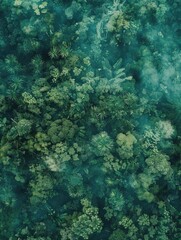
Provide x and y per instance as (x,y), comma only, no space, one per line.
(90,134)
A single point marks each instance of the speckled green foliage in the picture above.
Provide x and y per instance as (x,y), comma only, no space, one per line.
(90,136)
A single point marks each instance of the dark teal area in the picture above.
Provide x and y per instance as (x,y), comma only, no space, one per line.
(90,113)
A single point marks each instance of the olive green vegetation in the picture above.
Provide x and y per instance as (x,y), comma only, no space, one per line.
(90,120)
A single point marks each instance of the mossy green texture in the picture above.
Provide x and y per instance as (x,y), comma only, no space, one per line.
(90,134)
